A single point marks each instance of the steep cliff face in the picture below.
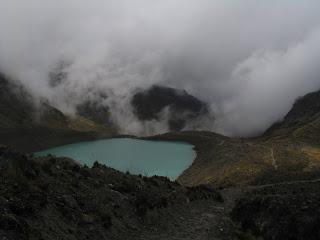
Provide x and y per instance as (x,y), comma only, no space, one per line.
(178,106)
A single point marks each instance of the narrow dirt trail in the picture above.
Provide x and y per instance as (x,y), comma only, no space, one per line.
(269,149)
(273,160)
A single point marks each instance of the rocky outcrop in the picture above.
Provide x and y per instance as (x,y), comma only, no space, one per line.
(289,210)
(55,198)
(178,106)
(95,111)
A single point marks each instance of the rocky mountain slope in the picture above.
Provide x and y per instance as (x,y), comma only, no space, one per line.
(302,122)
(56,198)
(289,150)
(268,185)
(30,125)
(271,182)
(52,198)
(288,210)
(179,107)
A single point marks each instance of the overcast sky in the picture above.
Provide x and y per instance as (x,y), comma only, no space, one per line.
(249,59)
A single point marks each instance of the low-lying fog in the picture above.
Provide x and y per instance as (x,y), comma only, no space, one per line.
(249,60)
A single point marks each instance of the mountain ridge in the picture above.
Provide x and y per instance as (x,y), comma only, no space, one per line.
(268,185)
(29,126)
(289,150)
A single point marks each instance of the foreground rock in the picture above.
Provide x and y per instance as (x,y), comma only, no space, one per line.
(55,198)
(289,210)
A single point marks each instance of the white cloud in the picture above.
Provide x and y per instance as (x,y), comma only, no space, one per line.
(249,59)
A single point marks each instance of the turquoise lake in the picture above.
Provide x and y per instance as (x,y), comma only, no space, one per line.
(148,158)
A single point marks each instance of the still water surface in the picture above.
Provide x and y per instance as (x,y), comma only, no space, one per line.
(148,158)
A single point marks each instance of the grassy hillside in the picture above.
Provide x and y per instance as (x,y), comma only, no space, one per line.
(302,123)
(289,150)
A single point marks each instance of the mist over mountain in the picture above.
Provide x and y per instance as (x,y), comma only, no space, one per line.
(178,108)
(246,60)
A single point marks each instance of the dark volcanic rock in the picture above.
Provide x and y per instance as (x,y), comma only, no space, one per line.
(94,111)
(182,106)
(55,198)
(284,211)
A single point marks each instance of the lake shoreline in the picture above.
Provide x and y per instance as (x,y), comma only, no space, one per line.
(137,156)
